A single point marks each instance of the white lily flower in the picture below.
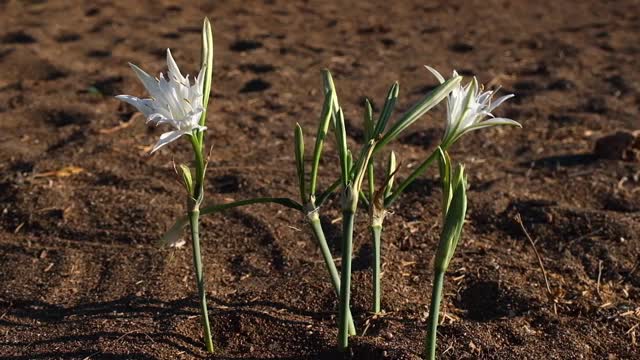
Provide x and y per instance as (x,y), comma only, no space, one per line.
(469,108)
(174,101)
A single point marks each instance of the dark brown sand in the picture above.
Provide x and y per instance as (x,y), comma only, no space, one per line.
(81,278)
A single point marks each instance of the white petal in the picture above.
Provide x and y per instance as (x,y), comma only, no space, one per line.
(192,120)
(200,77)
(145,106)
(485,97)
(174,71)
(499,102)
(167,138)
(493,122)
(150,83)
(435,73)
(171,97)
(159,119)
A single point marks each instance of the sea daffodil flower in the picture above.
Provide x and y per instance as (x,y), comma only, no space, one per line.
(174,101)
(469,108)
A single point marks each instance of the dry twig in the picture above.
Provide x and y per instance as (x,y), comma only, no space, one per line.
(540,263)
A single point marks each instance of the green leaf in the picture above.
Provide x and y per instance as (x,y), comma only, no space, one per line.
(364,199)
(420,108)
(172,236)
(369,133)
(453,222)
(329,87)
(207,63)
(325,194)
(392,168)
(371,178)
(323,128)
(444,162)
(353,188)
(387,109)
(368,120)
(343,152)
(299,154)
(360,167)
(389,199)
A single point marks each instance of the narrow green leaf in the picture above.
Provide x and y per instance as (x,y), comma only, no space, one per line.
(453,222)
(325,194)
(387,109)
(299,154)
(207,63)
(286,202)
(172,236)
(353,188)
(323,128)
(364,199)
(369,133)
(371,179)
(343,152)
(368,120)
(360,167)
(329,87)
(392,167)
(411,178)
(420,108)
(445,178)
(460,183)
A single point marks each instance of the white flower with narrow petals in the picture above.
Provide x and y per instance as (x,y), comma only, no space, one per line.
(469,108)
(174,101)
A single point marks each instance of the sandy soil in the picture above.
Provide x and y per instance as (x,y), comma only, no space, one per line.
(80,276)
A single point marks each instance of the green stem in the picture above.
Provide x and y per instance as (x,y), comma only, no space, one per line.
(197,261)
(194,220)
(331,266)
(377,265)
(345,284)
(200,166)
(417,172)
(211,209)
(434,311)
(325,195)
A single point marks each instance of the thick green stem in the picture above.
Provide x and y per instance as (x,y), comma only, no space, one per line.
(331,266)
(197,262)
(345,284)
(434,311)
(377,267)
(200,165)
